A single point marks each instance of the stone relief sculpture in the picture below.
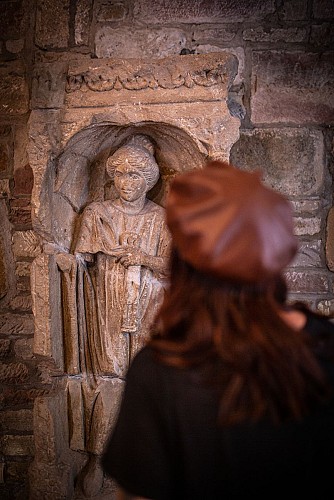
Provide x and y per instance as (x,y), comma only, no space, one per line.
(112,284)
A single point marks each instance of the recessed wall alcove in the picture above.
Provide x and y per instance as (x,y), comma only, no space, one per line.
(79,120)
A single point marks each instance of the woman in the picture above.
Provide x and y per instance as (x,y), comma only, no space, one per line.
(232,397)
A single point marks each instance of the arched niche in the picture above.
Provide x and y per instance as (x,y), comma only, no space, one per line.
(76,176)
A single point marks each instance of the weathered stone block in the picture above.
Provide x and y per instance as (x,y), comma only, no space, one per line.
(322,35)
(293,10)
(213,34)
(308,282)
(18,420)
(23,348)
(13,373)
(309,206)
(330,239)
(17,445)
(106,11)
(48,85)
(4,348)
(23,180)
(14,18)
(26,244)
(21,303)
(237,51)
(309,225)
(309,254)
(182,11)
(45,285)
(292,160)
(20,212)
(52,24)
(4,158)
(22,268)
(4,188)
(16,471)
(15,46)
(16,324)
(323,9)
(261,34)
(14,93)
(81,22)
(116,42)
(3,273)
(292,87)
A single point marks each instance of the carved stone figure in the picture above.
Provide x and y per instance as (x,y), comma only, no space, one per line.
(113,284)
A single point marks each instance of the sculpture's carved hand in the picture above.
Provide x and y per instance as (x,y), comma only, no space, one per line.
(130,256)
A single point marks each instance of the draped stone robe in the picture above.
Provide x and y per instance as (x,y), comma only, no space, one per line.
(119,303)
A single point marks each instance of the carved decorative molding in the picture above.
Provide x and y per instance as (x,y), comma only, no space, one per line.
(204,70)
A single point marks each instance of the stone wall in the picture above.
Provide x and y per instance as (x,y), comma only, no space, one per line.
(283,96)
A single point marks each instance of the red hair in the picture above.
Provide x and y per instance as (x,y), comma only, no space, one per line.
(234,335)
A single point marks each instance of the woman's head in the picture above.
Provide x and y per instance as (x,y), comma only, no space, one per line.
(225,222)
(138,153)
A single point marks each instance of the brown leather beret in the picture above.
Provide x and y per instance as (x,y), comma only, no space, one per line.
(227,223)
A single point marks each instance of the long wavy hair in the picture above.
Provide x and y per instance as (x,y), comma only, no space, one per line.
(235,338)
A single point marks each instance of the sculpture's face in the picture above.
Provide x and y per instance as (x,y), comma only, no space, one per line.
(129,184)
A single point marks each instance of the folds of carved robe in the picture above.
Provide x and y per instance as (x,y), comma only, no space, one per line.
(108,310)
(116,305)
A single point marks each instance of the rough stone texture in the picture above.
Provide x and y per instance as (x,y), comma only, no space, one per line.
(4,158)
(111,42)
(330,240)
(14,93)
(293,10)
(3,276)
(7,275)
(20,212)
(261,34)
(16,324)
(309,254)
(237,51)
(213,34)
(307,225)
(23,181)
(23,348)
(284,87)
(15,46)
(106,11)
(81,23)
(308,283)
(22,303)
(292,160)
(322,34)
(310,206)
(19,420)
(52,23)
(44,305)
(4,348)
(14,18)
(16,445)
(4,188)
(23,269)
(26,244)
(162,11)
(48,85)
(323,9)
